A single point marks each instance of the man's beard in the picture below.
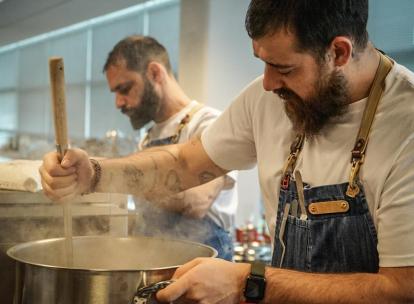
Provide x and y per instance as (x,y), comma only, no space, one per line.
(309,116)
(147,110)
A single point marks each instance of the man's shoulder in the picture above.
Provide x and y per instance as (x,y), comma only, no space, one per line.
(399,88)
(397,106)
(401,80)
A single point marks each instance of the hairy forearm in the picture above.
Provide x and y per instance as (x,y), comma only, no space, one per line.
(160,171)
(392,285)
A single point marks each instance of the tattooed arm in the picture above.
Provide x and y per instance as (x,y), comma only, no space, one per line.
(162,171)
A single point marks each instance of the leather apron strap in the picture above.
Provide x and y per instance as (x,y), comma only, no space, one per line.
(174,138)
(187,118)
(358,152)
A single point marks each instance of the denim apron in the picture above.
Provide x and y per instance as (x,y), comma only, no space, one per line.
(329,228)
(177,225)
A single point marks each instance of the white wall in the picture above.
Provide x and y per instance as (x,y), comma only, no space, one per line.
(216,63)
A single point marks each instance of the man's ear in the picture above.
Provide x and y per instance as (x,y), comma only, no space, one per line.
(340,50)
(155,72)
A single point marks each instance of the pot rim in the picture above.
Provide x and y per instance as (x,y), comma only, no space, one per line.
(12,250)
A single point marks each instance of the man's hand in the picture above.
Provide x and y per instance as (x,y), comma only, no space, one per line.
(199,199)
(207,280)
(64,180)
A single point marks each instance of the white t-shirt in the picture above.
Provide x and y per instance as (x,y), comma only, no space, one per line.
(255,129)
(223,210)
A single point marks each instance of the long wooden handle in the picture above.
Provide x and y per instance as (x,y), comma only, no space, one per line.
(57,87)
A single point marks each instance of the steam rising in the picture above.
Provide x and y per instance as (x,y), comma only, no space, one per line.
(151,220)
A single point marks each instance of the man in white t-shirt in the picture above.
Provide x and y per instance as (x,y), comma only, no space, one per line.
(330,126)
(205,213)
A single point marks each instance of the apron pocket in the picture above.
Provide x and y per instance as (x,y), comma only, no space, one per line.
(343,244)
(296,239)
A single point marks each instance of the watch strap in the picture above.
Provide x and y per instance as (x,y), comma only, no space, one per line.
(258,269)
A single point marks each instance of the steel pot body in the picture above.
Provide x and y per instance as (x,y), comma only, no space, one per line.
(104,269)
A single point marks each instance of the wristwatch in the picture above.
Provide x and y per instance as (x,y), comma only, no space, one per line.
(256,283)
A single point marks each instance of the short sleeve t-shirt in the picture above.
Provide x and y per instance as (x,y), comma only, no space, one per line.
(255,130)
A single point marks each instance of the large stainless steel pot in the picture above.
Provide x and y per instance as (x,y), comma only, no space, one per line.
(104,270)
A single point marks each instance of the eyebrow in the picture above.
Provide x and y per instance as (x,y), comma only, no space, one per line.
(275,65)
(121,86)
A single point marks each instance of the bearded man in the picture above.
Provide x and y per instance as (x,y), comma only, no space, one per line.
(139,73)
(330,126)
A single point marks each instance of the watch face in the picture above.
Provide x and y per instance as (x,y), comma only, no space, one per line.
(255,288)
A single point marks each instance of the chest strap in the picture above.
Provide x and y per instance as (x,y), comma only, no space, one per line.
(175,138)
(358,152)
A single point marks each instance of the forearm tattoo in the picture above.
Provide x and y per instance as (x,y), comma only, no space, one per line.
(172,182)
(133,177)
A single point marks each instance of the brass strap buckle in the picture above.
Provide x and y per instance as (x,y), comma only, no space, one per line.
(295,149)
(287,170)
(353,188)
(289,163)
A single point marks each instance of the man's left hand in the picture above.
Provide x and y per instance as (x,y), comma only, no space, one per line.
(207,280)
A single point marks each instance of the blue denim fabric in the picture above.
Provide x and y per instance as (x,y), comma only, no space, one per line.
(341,242)
(221,240)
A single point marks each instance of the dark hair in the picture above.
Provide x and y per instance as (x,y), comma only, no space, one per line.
(138,51)
(314,22)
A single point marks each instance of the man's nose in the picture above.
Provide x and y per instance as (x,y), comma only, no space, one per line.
(119,101)
(272,80)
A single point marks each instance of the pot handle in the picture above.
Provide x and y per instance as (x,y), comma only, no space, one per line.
(144,294)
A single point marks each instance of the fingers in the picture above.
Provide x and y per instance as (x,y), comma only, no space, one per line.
(52,166)
(177,289)
(60,180)
(186,267)
(57,186)
(173,291)
(74,157)
(60,194)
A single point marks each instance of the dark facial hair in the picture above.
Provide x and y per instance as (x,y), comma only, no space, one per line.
(309,116)
(146,110)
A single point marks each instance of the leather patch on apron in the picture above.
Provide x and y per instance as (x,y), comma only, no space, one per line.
(328,207)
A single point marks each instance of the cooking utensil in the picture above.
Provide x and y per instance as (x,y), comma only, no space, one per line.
(57,89)
(105,270)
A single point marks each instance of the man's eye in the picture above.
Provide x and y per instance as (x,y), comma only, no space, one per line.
(285,72)
(124,91)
